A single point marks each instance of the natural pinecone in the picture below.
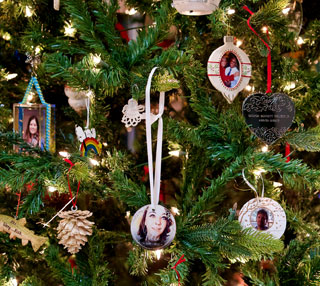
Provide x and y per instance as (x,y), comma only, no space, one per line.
(73,229)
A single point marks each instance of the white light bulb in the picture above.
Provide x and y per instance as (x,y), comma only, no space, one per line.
(69,30)
(158,253)
(175,211)
(11,76)
(277,184)
(174,153)
(6,36)
(105,144)
(51,189)
(37,50)
(29,11)
(285,11)
(231,11)
(94,162)
(96,59)
(13,282)
(64,154)
(259,171)
(131,12)
(239,43)
(264,149)
(264,29)
(248,87)
(300,41)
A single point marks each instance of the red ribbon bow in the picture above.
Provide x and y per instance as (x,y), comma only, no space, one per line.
(269,79)
(74,203)
(181,259)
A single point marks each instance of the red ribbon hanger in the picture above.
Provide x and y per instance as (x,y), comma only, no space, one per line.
(269,78)
(181,259)
(74,203)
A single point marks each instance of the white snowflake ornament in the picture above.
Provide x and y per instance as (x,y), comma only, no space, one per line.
(132,113)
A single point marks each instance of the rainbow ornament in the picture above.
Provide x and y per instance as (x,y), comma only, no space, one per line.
(90,143)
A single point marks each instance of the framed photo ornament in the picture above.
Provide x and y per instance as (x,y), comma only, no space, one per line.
(264,214)
(35,122)
(229,69)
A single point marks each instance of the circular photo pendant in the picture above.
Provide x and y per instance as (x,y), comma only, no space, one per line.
(264,214)
(153,228)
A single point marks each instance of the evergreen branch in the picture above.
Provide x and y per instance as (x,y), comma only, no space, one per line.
(212,278)
(138,261)
(79,12)
(127,191)
(61,270)
(232,242)
(168,276)
(296,174)
(211,193)
(305,140)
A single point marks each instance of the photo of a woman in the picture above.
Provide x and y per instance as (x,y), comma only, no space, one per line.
(31,133)
(153,228)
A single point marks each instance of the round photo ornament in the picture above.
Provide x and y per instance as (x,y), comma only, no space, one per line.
(263,214)
(229,69)
(153,226)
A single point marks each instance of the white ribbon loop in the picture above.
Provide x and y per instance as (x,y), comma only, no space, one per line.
(252,187)
(150,119)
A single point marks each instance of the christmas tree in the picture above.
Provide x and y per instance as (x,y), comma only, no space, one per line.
(85,60)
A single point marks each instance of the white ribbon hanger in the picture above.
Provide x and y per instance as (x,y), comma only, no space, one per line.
(252,187)
(151,118)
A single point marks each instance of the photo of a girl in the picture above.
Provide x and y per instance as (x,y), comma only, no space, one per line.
(153,228)
(31,132)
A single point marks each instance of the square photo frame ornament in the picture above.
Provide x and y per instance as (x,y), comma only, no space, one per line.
(35,123)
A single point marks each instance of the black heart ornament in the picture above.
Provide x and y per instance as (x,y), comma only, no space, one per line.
(268,116)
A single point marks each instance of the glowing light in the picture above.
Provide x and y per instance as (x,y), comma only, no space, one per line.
(158,253)
(69,30)
(264,29)
(30,96)
(37,50)
(10,120)
(96,59)
(300,41)
(175,153)
(1,1)
(290,85)
(51,189)
(231,11)
(29,11)
(259,171)
(239,43)
(277,184)
(94,162)
(132,11)
(11,76)
(13,282)
(175,211)
(6,36)
(248,87)
(127,214)
(264,149)
(64,154)
(105,144)
(285,11)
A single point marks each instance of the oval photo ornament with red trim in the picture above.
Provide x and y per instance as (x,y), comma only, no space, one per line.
(229,69)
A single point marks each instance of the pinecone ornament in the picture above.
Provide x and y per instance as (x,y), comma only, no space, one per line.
(73,229)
